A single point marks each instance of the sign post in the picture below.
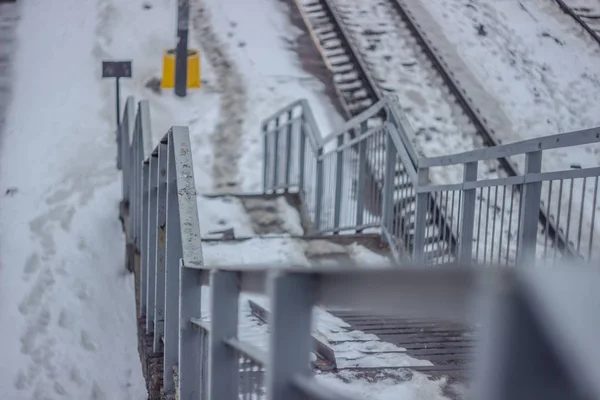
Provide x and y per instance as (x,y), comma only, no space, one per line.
(117,69)
(181,58)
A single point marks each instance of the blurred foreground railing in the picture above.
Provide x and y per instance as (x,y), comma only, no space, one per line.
(369,176)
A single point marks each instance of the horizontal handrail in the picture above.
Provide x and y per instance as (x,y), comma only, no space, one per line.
(283,110)
(561,140)
(384,159)
(355,121)
(514,180)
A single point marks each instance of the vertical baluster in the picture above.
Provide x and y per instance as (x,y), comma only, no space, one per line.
(529,210)
(144,239)
(151,248)
(290,340)
(421,209)
(191,384)
(362,172)
(173,256)
(467,214)
(159,280)
(223,360)
(288,149)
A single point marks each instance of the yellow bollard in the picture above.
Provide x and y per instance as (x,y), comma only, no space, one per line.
(193,69)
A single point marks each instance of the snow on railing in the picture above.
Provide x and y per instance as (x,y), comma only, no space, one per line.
(369,176)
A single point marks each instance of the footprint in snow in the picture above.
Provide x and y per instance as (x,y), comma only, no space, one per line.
(86,341)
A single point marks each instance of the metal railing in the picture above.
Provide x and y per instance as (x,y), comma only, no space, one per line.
(371,177)
(202,357)
(191,311)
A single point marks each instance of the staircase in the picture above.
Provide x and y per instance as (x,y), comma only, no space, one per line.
(256,229)
(338,215)
(268,229)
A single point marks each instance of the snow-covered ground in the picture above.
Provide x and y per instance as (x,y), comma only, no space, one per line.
(399,66)
(526,66)
(67,312)
(228,34)
(9,17)
(539,66)
(587,11)
(66,304)
(535,60)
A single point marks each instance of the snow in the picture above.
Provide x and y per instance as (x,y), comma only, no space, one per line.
(416,387)
(9,16)
(539,66)
(535,61)
(64,291)
(353,349)
(381,37)
(363,256)
(259,251)
(290,217)
(217,214)
(525,66)
(587,10)
(66,304)
(227,33)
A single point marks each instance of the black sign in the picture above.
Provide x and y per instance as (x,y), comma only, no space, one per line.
(116,69)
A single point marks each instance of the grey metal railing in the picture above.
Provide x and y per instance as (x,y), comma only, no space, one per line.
(205,357)
(371,177)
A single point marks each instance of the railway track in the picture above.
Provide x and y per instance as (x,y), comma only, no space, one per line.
(358,89)
(586,13)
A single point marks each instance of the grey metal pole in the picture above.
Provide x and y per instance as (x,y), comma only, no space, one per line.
(118,103)
(183,14)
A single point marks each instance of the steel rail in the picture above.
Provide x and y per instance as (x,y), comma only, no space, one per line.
(568,10)
(373,92)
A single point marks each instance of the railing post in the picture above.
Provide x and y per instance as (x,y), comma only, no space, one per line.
(319,190)
(190,350)
(467,212)
(288,150)
(134,187)
(362,177)
(138,158)
(134,179)
(159,288)
(421,209)
(290,339)
(144,239)
(224,365)
(151,247)
(339,181)
(124,159)
(119,141)
(302,153)
(530,209)
(124,147)
(389,178)
(266,157)
(145,135)
(173,255)
(276,156)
